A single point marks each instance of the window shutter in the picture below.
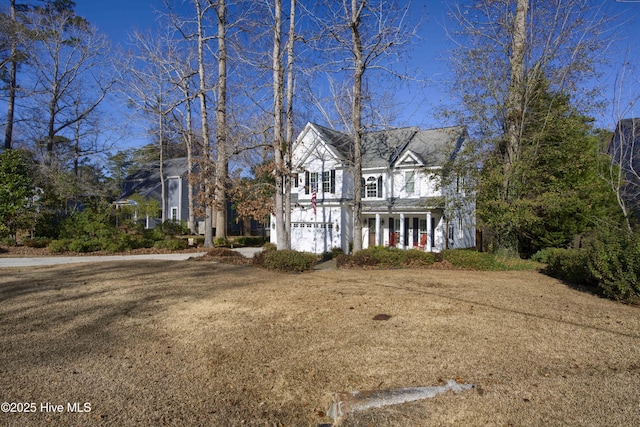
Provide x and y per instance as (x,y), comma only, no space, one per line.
(306,182)
(363,187)
(380,186)
(333,181)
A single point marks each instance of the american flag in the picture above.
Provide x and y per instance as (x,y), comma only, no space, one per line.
(313,200)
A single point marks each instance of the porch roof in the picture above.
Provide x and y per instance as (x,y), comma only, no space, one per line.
(397,206)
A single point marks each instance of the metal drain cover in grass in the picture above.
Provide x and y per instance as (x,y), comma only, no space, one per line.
(355,401)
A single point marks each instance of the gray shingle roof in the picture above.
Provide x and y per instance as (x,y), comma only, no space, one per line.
(146,181)
(381,149)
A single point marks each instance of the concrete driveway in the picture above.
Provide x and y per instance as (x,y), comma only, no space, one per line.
(36,261)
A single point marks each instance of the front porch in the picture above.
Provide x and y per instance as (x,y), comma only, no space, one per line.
(408,230)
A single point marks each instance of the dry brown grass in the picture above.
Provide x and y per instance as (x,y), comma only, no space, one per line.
(196,343)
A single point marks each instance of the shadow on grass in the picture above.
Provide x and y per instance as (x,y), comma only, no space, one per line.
(85,309)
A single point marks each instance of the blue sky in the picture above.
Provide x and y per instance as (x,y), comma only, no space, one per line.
(118,17)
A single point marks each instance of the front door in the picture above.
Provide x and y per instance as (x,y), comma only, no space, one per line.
(393,237)
(405,238)
(372,232)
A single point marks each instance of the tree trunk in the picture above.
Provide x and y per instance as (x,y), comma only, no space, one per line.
(515,111)
(289,127)
(163,196)
(356,121)
(8,133)
(278,143)
(222,166)
(191,223)
(204,123)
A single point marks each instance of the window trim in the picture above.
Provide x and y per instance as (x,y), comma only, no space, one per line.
(371,188)
(411,181)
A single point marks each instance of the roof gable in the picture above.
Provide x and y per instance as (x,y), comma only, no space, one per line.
(409,158)
(390,148)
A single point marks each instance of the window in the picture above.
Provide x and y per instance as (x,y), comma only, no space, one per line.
(329,181)
(460,230)
(423,226)
(174,214)
(409,182)
(372,187)
(294,180)
(310,182)
(460,184)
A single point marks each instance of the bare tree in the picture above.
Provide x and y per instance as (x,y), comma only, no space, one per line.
(148,86)
(13,63)
(289,119)
(69,54)
(624,147)
(282,138)
(367,33)
(222,159)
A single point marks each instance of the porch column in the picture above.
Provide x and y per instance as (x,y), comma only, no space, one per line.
(401,232)
(429,231)
(378,230)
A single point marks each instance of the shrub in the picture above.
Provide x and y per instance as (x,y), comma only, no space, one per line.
(382,257)
(288,260)
(542,255)
(153,234)
(267,247)
(569,265)
(59,246)
(613,262)
(8,241)
(173,228)
(171,244)
(468,259)
(222,242)
(254,241)
(85,245)
(38,242)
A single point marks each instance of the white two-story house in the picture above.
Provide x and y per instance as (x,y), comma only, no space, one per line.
(404,204)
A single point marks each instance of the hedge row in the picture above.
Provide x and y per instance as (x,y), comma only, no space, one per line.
(609,260)
(383,257)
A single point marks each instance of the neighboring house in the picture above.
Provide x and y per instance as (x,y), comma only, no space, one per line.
(625,151)
(146,183)
(403,203)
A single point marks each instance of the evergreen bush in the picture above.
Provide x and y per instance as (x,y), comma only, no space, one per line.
(59,246)
(569,265)
(254,241)
(468,259)
(37,242)
(171,244)
(288,260)
(383,257)
(613,262)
